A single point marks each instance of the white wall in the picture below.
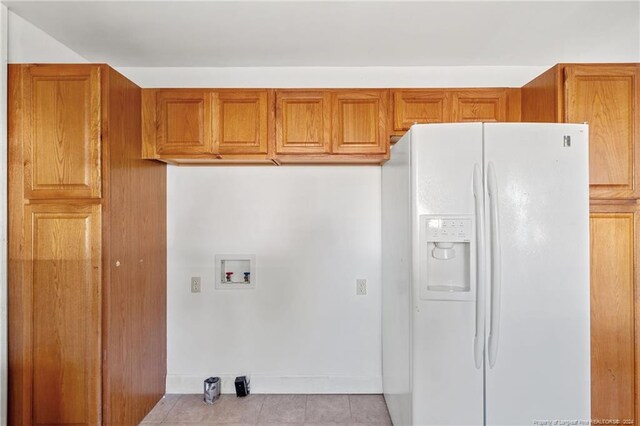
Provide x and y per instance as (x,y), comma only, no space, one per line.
(314,231)
(29,44)
(282,77)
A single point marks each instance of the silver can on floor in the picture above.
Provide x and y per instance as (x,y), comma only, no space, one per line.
(211,390)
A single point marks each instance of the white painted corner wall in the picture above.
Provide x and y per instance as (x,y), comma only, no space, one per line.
(29,44)
(314,231)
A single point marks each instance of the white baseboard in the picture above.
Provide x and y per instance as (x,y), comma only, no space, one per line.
(178,383)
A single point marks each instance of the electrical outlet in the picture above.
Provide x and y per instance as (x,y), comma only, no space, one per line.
(361,287)
(196,284)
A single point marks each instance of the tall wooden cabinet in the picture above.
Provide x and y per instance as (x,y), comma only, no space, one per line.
(614,254)
(87,257)
(607,97)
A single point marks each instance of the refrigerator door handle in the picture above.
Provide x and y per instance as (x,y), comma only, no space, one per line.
(478,194)
(496,278)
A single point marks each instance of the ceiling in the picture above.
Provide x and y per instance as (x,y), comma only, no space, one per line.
(346,33)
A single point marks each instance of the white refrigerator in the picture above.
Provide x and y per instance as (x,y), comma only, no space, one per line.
(485,275)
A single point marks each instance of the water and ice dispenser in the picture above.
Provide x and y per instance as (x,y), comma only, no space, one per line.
(447,257)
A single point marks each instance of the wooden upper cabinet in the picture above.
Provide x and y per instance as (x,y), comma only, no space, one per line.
(303,122)
(359,123)
(417,106)
(62,280)
(205,125)
(479,105)
(62,144)
(607,98)
(183,122)
(420,106)
(240,121)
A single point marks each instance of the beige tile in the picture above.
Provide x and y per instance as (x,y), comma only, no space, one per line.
(185,424)
(208,424)
(278,424)
(159,412)
(283,409)
(231,409)
(327,424)
(327,409)
(189,409)
(369,409)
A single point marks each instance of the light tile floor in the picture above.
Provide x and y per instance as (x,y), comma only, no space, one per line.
(335,410)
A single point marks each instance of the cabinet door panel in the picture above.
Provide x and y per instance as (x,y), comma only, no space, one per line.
(303,122)
(420,106)
(613,254)
(62,274)
(359,122)
(479,105)
(183,122)
(240,122)
(607,98)
(62,144)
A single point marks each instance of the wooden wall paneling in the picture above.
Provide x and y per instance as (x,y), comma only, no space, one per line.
(240,122)
(62,275)
(418,106)
(149,123)
(183,122)
(479,105)
(302,122)
(541,98)
(135,318)
(359,124)
(514,104)
(19,314)
(614,312)
(62,146)
(608,98)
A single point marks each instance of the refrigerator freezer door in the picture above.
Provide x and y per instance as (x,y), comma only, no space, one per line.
(541,362)
(447,386)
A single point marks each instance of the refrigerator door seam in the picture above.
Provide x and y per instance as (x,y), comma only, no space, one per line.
(478,193)
(496,271)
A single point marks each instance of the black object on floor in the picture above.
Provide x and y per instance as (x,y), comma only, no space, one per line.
(242,386)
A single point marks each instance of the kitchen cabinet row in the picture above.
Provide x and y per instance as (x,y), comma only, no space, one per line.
(220,126)
(303,125)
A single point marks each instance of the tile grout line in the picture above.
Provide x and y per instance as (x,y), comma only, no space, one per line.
(170,408)
(304,419)
(264,398)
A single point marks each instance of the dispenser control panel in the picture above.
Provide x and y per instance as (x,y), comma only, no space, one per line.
(447,257)
(449,230)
